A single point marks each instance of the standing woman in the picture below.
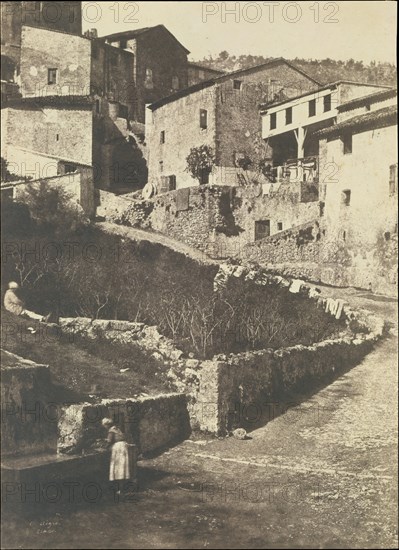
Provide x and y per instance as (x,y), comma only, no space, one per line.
(119,466)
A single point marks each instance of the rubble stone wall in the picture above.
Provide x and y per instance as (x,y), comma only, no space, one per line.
(152,423)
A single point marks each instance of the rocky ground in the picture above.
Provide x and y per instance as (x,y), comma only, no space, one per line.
(322,475)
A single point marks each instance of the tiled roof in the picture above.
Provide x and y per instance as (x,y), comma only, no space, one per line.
(207,83)
(381,95)
(374,119)
(137,32)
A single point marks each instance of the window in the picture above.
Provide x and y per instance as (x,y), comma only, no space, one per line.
(57,137)
(204,177)
(161,165)
(273,121)
(279,226)
(312,107)
(237,84)
(113,59)
(123,111)
(327,103)
(203,119)
(162,137)
(172,183)
(52,76)
(175,83)
(98,106)
(347,143)
(262,229)
(69,168)
(346,197)
(288,115)
(148,79)
(393,179)
(123,44)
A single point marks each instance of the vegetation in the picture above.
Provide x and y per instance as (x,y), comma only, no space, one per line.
(97,276)
(322,70)
(200,162)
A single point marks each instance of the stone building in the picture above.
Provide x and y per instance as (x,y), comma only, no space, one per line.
(221,113)
(72,110)
(159,64)
(289,127)
(198,73)
(61,16)
(359,189)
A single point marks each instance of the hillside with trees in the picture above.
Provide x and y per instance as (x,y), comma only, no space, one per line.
(322,70)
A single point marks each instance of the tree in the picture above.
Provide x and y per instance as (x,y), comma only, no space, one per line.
(52,208)
(200,162)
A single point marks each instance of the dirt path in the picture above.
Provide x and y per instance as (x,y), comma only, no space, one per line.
(320,476)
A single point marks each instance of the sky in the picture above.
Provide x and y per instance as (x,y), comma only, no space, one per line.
(364,31)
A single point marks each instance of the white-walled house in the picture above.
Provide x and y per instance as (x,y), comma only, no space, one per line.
(288,127)
(358,177)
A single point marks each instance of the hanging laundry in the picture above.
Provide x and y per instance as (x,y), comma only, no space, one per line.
(296,286)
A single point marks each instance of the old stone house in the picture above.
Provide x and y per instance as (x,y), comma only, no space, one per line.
(45,123)
(159,64)
(198,73)
(289,126)
(359,189)
(221,113)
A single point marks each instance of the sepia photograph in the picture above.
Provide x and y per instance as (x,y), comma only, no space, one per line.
(199,275)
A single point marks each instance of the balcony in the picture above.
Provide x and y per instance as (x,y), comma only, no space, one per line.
(302,170)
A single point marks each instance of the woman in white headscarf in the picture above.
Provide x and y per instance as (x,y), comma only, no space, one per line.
(119,466)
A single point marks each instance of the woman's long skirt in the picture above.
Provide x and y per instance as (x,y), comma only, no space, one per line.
(119,467)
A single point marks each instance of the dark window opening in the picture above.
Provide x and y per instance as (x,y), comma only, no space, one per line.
(288,115)
(312,107)
(347,142)
(204,177)
(161,165)
(52,75)
(346,197)
(237,84)
(57,137)
(98,106)
(114,59)
(262,229)
(387,235)
(69,168)
(162,137)
(327,103)
(344,235)
(273,121)
(280,226)
(203,119)
(172,183)
(393,179)
(123,111)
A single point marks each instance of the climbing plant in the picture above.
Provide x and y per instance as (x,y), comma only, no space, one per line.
(200,161)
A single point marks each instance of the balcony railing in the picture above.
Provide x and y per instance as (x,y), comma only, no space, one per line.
(302,170)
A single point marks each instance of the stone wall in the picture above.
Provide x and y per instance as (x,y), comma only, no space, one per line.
(219,220)
(151,423)
(47,49)
(26,391)
(216,388)
(58,133)
(79,185)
